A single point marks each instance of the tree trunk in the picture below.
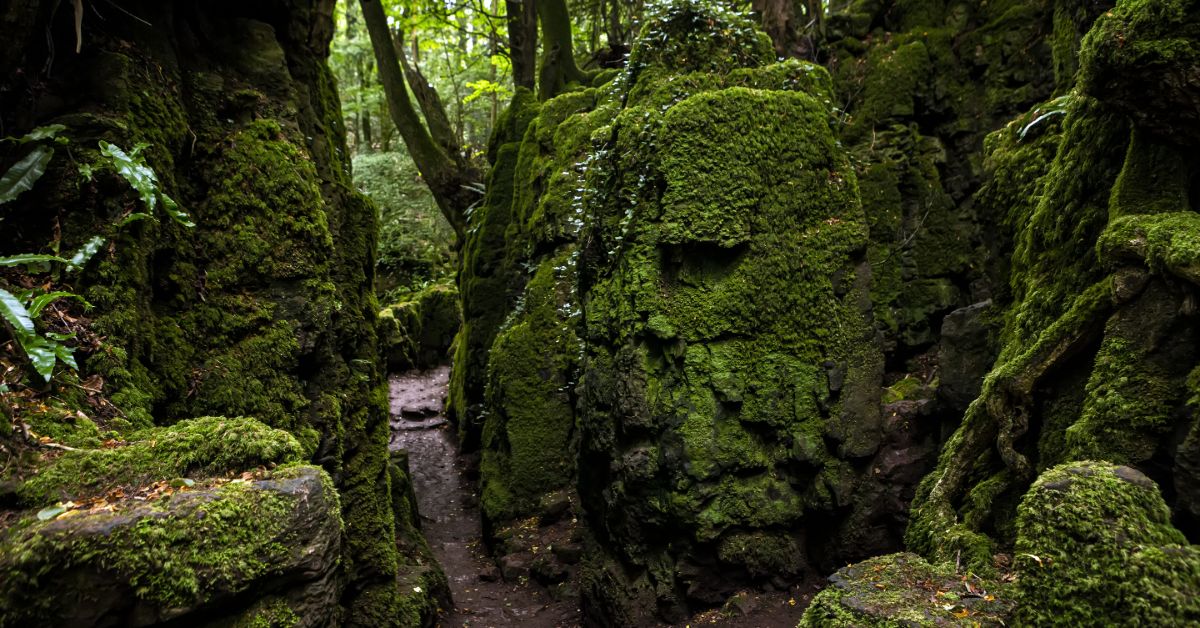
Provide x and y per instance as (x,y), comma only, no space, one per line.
(522,41)
(428,100)
(558,51)
(452,184)
(779,22)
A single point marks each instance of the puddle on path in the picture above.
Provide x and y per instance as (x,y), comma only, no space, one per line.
(449,510)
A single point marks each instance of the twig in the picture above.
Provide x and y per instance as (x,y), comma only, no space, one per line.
(57,446)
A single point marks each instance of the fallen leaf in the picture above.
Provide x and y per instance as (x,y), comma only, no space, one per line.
(50,512)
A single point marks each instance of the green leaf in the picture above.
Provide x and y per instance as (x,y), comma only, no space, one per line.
(15,313)
(178,215)
(67,355)
(51,512)
(41,353)
(40,302)
(134,170)
(43,133)
(23,174)
(134,217)
(29,258)
(85,253)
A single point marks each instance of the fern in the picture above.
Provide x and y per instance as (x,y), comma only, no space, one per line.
(133,168)
(19,311)
(43,350)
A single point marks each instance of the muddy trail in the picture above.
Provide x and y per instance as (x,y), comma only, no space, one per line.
(448,503)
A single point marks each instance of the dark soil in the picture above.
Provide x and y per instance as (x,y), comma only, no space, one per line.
(448,503)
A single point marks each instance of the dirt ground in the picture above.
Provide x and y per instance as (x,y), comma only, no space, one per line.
(448,503)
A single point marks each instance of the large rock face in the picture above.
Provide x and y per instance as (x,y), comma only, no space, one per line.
(730,376)
(265,307)
(687,333)
(1098,347)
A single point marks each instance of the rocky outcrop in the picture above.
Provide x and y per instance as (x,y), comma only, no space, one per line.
(1097,347)
(919,85)
(265,308)
(417,333)
(1094,543)
(220,549)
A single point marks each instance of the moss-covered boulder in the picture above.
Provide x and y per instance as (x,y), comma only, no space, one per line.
(730,375)
(529,434)
(488,283)
(418,331)
(1097,347)
(197,448)
(904,590)
(211,551)
(1095,542)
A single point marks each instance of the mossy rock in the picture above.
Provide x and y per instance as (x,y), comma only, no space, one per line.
(266,307)
(730,366)
(528,447)
(210,549)
(1142,58)
(418,331)
(1094,543)
(903,590)
(195,448)
(486,279)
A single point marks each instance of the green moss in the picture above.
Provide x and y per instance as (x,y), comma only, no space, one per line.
(763,554)
(1095,542)
(903,590)
(173,553)
(907,388)
(758,502)
(1138,36)
(418,331)
(527,436)
(64,427)
(193,448)
(1166,243)
(272,614)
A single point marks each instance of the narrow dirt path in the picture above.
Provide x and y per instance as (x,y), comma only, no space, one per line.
(448,503)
